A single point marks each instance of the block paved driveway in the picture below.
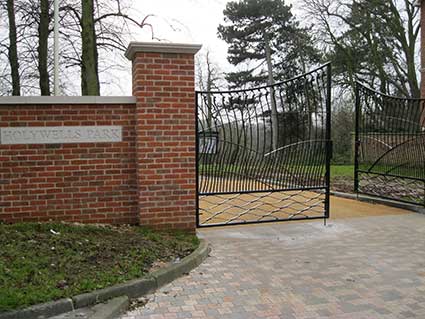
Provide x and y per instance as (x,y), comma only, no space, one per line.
(370,267)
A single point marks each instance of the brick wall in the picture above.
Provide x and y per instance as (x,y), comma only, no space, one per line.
(93,183)
(163,84)
(148,178)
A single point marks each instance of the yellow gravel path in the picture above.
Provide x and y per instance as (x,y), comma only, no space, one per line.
(348,208)
(234,208)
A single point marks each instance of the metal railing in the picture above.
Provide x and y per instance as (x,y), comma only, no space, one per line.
(390,146)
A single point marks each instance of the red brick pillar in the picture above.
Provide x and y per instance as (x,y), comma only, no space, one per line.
(163,83)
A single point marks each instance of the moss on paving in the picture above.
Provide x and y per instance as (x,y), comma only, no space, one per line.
(45,262)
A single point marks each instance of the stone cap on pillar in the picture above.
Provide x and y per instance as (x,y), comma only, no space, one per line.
(159,47)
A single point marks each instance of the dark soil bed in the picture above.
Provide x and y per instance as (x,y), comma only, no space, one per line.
(342,184)
(44,262)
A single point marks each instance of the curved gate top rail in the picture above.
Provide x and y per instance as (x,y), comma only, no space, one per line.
(263,154)
(390,146)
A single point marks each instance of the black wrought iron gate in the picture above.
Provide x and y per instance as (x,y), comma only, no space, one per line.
(390,146)
(264,154)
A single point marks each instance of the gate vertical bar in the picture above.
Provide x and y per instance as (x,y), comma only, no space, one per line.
(197,157)
(328,139)
(357,138)
(249,181)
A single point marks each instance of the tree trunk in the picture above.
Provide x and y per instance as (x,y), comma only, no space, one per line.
(209,97)
(274,118)
(43,47)
(89,68)
(13,49)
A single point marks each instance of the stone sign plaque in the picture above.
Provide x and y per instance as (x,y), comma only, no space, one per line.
(60,134)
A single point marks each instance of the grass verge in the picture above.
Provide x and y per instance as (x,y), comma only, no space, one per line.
(342,171)
(342,178)
(45,262)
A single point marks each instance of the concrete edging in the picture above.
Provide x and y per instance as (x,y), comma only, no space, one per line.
(382,201)
(132,289)
(44,310)
(112,309)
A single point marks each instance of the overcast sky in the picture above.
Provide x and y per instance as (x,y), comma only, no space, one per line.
(187,21)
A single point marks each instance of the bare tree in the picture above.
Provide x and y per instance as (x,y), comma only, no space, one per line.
(13,48)
(100,28)
(89,60)
(370,40)
(208,78)
(93,35)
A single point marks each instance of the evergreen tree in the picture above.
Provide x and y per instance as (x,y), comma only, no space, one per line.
(264,35)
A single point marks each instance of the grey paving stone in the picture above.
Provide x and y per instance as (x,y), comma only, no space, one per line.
(360,268)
